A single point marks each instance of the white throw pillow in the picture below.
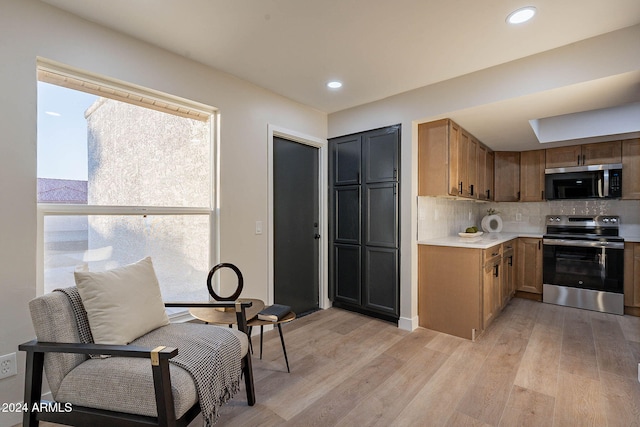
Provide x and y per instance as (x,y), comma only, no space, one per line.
(122,304)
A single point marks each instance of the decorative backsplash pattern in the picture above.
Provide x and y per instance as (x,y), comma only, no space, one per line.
(440,217)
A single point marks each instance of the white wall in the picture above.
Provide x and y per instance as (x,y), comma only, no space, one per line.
(29,28)
(607,55)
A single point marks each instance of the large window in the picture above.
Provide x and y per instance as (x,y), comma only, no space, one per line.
(123,173)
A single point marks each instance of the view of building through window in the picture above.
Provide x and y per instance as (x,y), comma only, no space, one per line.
(118,182)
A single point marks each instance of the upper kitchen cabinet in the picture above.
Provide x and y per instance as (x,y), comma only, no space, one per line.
(507,176)
(584,155)
(631,169)
(452,162)
(532,175)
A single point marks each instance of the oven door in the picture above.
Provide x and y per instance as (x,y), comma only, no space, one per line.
(595,265)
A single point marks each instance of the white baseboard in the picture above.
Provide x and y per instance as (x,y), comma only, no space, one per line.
(408,324)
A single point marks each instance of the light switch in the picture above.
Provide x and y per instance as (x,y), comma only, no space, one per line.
(258,227)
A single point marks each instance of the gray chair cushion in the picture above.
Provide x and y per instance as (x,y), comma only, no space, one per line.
(124,385)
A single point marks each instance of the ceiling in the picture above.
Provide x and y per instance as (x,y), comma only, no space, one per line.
(378,48)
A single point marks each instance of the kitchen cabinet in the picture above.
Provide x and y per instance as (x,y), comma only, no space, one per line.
(491,284)
(631,169)
(584,155)
(508,284)
(532,176)
(364,222)
(507,176)
(529,265)
(632,278)
(459,289)
(450,161)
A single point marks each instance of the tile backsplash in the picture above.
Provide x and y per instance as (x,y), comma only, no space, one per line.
(441,217)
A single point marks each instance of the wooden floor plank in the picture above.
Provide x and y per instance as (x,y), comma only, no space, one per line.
(348,369)
(579,402)
(528,408)
(486,398)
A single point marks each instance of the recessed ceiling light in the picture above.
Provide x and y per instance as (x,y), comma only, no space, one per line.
(53,113)
(521,15)
(334,85)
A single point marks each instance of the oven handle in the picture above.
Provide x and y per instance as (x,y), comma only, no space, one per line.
(583,243)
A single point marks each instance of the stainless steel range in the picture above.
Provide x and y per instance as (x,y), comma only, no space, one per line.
(583,262)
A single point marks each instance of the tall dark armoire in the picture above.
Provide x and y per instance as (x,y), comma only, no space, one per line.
(364,171)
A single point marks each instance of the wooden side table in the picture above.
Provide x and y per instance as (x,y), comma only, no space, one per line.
(226,316)
(257,322)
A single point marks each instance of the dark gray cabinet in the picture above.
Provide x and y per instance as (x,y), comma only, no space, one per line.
(364,222)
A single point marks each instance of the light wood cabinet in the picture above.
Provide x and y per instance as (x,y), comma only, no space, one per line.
(491,281)
(532,176)
(508,284)
(507,176)
(583,155)
(529,265)
(489,175)
(631,169)
(451,162)
(632,278)
(460,289)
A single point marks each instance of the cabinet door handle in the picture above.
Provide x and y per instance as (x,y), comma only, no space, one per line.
(578,159)
(518,195)
(511,260)
(539,244)
(584,159)
(471,189)
(542,194)
(488,194)
(460,190)
(496,267)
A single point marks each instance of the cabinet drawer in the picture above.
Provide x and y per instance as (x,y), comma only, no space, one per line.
(492,252)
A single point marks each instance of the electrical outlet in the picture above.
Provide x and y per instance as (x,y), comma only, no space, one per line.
(8,366)
(518,216)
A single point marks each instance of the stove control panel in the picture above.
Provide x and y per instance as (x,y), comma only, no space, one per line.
(584,220)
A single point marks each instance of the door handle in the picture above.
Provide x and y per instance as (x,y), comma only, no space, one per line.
(316,236)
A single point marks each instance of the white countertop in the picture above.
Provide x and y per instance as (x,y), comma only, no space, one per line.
(490,239)
(485,241)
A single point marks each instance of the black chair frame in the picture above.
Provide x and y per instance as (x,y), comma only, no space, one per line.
(159,359)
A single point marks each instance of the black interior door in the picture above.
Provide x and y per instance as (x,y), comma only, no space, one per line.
(295,222)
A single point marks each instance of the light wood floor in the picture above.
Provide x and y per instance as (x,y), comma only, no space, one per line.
(537,365)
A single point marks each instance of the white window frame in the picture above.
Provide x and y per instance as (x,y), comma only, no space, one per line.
(51,209)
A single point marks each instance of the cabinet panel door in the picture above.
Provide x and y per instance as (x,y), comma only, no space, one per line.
(529,265)
(380,150)
(346,160)
(472,167)
(507,176)
(489,171)
(532,176)
(561,157)
(347,269)
(631,168)
(347,218)
(381,223)
(456,160)
(602,153)
(381,278)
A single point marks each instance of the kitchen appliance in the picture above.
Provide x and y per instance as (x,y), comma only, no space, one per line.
(583,262)
(584,182)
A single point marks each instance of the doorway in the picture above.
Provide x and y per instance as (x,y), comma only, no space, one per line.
(296,225)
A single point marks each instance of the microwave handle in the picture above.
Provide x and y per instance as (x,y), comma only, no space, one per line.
(606,183)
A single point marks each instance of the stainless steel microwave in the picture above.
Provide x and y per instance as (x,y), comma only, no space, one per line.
(584,182)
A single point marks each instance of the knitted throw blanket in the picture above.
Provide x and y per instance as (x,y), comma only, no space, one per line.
(211,354)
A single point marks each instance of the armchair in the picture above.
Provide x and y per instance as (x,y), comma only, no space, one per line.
(126,385)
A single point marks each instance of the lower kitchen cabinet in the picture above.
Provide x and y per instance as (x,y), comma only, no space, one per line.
(508,284)
(461,290)
(529,265)
(632,278)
